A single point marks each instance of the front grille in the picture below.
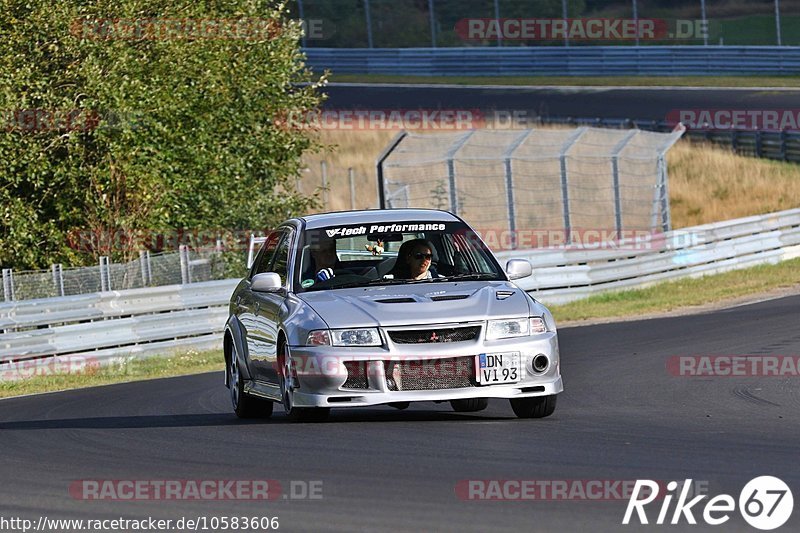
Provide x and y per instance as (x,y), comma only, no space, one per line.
(435,374)
(424,336)
(356,375)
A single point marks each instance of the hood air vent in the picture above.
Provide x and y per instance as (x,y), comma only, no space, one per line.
(449,297)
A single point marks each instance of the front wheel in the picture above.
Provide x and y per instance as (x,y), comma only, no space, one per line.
(244,405)
(535,407)
(288,385)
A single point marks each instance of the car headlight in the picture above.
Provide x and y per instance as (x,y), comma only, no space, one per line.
(515,327)
(356,337)
(344,337)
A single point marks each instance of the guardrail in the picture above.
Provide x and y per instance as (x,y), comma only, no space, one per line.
(560,61)
(102,327)
(565,275)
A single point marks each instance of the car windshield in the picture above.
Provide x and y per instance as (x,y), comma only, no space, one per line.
(337,257)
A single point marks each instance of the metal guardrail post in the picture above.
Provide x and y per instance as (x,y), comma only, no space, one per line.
(300,11)
(58,278)
(324,170)
(615,178)
(663,190)
(759,145)
(183,251)
(432,17)
(572,139)
(8,285)
(497,18)
(379,166)
(351,176)
(451,170)
(144,263)
(512,216)
(368,17)
(783,146)
(105,274)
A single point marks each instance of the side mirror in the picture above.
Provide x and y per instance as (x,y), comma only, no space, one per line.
(265,282)
(518,268)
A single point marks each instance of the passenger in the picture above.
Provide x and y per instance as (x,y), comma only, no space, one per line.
(414,261)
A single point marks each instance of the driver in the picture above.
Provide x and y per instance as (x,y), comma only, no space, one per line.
(325,259)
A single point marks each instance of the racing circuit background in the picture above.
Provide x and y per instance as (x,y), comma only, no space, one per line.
(637,405)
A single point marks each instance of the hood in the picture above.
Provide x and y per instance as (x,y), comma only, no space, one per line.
(418,304)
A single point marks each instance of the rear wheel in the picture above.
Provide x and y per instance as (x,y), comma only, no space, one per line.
(536,407)
(469,405)
(288,385)
(244,405)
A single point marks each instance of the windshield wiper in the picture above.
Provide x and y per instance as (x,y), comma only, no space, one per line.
(366,283)
(471,275)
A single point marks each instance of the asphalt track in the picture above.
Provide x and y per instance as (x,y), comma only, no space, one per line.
(646,103)
(621,417)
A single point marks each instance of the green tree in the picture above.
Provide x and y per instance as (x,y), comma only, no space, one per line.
(130,117)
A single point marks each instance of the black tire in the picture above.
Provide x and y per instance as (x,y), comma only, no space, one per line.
(297,414)
(244,405)
(469,405)
(535,407)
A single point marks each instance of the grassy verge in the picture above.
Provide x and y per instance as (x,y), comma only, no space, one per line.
(682,294)
(636,81)
(190,362)
(663,297)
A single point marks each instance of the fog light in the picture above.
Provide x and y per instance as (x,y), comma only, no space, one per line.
(540,363)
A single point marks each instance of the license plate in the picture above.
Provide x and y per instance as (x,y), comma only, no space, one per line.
(496,368)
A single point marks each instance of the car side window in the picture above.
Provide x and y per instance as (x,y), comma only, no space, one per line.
(281,259)
(265,256)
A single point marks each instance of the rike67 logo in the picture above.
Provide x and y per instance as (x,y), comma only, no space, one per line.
(765,503)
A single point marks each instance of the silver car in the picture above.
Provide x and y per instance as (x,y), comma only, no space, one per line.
(365,308)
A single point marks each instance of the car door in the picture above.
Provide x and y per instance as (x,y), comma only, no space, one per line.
(267,307)
(249,307)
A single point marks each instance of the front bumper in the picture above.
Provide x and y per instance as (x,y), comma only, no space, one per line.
(325,373)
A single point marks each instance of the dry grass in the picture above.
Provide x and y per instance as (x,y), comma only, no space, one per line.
(707,183)
(710,184)
(346,149)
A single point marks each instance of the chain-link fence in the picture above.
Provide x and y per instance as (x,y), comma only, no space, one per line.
(455,23)
(567,183)
(150,270)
